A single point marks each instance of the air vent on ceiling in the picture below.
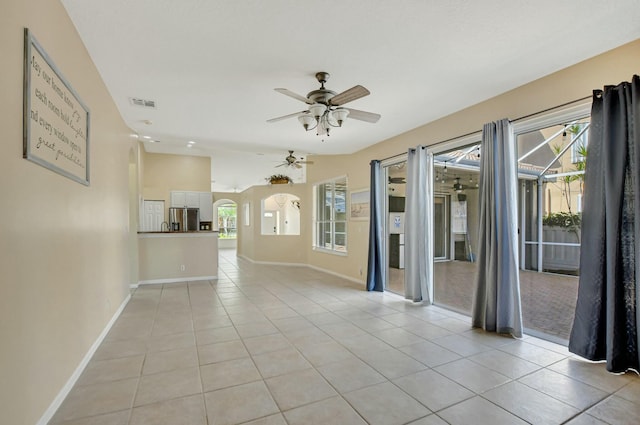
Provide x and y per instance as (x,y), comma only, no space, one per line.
(143,102)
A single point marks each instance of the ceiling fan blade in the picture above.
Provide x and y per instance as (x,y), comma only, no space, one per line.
(355,92)
(304,162)
(289,93)
(281,165)
(357,114)
(284,117)
(297,165)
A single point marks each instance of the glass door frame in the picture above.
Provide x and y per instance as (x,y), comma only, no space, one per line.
(578,111)
(384,167)
(447,238)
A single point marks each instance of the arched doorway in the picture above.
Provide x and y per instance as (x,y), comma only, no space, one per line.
(281,215)
(225,220)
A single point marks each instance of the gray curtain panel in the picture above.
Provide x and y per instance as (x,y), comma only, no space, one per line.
(376,272)
(496,303)
(606,319)
(418,235)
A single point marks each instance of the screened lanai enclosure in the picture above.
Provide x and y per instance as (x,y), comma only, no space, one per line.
(551,164)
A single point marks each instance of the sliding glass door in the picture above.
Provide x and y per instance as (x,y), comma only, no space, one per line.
(455,222)
(440,227)
(396,178)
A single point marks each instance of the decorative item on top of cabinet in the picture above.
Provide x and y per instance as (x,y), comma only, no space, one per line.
(279,179)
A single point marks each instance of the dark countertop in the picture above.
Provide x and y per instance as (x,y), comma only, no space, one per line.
(179,233)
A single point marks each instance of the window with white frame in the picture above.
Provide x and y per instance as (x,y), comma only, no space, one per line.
(330,221)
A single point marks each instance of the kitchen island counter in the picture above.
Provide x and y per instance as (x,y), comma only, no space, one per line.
(190,232)
(166,257)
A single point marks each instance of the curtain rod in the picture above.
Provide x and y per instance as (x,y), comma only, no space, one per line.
(515,120)
(551,109)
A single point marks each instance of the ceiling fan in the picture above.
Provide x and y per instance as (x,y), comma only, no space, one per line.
(292,161)
(397,180)
(325,107)
(459,187)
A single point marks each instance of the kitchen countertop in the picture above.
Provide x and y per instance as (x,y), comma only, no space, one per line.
(191,234)
(165,257)
(178,233)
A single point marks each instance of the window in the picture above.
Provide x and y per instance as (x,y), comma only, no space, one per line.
(330,201)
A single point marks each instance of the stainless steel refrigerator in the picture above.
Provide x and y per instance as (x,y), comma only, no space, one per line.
(184,219)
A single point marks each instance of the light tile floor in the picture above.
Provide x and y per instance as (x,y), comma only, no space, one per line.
(276,345)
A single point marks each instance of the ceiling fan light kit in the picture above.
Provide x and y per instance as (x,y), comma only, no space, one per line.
(325,109)
(292,161)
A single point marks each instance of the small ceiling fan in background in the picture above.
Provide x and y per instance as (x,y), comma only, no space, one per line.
(459,187)
(292,161)
(325,107)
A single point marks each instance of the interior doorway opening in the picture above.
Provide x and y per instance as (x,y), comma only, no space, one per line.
(225,221)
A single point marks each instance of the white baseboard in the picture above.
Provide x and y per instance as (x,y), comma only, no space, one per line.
(175,280)
(273,263)
(349,278)
(64,392)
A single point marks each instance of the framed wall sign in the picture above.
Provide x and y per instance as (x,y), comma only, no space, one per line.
(55,120)
(359,205)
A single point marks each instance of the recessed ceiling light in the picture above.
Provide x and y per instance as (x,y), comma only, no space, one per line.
(154,141)
(146,137)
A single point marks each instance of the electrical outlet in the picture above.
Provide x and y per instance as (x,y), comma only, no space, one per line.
(182,268)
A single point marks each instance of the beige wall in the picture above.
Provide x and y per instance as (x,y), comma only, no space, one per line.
(166,172)
(162,256)
(357,171)
(564,86)
(274,248)
(235,197)
(556,89)
(65,247)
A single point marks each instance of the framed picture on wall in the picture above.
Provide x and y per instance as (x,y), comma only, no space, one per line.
(359,204)
(56,121)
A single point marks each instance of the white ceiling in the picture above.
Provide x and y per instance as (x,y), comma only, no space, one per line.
(211,65)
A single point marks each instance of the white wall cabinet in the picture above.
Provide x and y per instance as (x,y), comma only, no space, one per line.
(181,198)
(201,200)
(193,199)
(206,206)
(178,199)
